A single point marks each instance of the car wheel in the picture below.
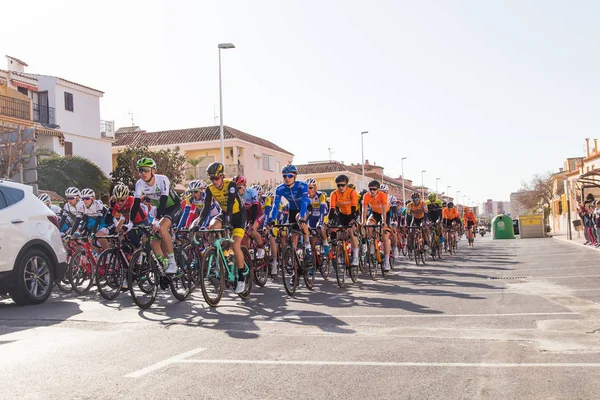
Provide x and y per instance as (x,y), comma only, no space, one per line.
(34,278)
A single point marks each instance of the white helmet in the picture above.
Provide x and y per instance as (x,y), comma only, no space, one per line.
(72,191)
(195,185)
(88,193)
(310,181)
(384,188)
(44,198)
(269,194)
(258,188)
(121,191)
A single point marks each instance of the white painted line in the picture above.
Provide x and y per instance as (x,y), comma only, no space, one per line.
(565,276)
(337,296)
(426,315)
(397,364)
(286,316)
(164,363)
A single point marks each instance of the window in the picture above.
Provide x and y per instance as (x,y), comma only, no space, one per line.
(13,195)
(69,101)
(22,90)
(2,201)
(256,163)
(68,149)
(277,166)
(268,163)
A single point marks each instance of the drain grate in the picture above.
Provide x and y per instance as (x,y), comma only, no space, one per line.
(510,278)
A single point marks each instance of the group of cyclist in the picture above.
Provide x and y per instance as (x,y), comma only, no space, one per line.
(230,203)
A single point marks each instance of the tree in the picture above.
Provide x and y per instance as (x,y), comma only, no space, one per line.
(193,162)
(169,162)
(57,173)
(16,148)
(538,191)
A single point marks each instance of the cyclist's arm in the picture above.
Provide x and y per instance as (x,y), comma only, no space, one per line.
(232,197)
(208,198)
(184,217)
(276,203)
(305,202)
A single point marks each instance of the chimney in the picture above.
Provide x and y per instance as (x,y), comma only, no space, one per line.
(595,145)
(561,169)
(587,145)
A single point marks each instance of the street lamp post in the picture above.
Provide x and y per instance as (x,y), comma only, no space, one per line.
(436,186)
(222,46)
(362,150)
(403,192)
(457,197)
(422,185)
(448,192)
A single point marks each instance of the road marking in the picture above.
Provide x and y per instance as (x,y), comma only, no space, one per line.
(286,316)
(565,276)
(164,363)
(396,364)
(423,315)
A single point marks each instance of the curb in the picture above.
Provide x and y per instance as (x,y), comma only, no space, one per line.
(576,244)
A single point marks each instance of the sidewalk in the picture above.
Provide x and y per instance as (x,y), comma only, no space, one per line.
(576,240)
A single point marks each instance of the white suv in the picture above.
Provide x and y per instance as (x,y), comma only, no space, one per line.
(32,255)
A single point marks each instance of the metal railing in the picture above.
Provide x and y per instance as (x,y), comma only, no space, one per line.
(107,129)
(44,114)
(16,108)
(200,172)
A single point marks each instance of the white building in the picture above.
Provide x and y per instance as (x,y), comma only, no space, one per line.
(69,111)
(491,208)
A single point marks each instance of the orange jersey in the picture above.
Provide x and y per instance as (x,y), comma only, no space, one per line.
(470,217)
(379,204)
(450,213)
(344,201)
(417,211)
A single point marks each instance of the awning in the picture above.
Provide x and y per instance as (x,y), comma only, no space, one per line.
(51,132)
(3,81)
(24,85)
(590,178)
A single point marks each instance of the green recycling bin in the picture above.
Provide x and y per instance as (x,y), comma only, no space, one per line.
(502,227)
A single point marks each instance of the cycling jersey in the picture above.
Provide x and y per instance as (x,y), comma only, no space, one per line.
(344,201)
(450,214)
(379,203)
(470,218)
(124,209)
(417,210)
(94,217)
(317,208)
(250,198)
(227,197)
(192,208)
(435,209)
(161,187)
(55,209)
(297,196)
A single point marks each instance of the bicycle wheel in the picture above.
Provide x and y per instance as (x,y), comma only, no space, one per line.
(340,264)
(212,277)
(110,274)
(142,279)
(417,251)
(372,260)
(422,255)
(289,270)
(308,274)
(248,273)
(355,269)
(181,282)
(404,246)
(64,284)
(325,267)
(82,272)
(259,270)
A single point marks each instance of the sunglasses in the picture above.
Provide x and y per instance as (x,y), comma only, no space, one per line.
(215,178)
(373,189)
(241,187)
(144,169)
(197,191)
(288,176)
(86,198)
(341,185)
(312,187)
(71,198)
(122,200)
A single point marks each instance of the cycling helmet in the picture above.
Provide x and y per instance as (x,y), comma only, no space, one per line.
(44,198)
(121,191)
(466,209)
(88,193)
(310,181)
(195,185)
(351,186)
(72,191)
(450,204)
(258,188)
(341,178)
(146,162)
(269,194)
(239,180)
(384,188)
(444,204)
(431,197)
(289,169)
(187,193)
(416,195)
(374,184)
(215,169)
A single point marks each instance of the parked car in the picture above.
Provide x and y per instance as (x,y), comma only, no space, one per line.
(32,255)
(516,226)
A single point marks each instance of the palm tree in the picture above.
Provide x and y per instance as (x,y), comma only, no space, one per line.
(57,173)
(194,162)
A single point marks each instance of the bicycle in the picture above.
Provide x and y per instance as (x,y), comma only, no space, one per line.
(146,274)
(320,259)
(374,255)
(82,266)
(436,247)
(219,270)
(64,284)
(259,266)
(451,240)
(293,263)
(111,270)
(470,236)
(415,240)
(340,255)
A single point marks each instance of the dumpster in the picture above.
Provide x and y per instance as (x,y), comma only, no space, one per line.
(502,227)
(531,226)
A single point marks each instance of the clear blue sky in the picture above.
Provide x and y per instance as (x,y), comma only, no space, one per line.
(510,86)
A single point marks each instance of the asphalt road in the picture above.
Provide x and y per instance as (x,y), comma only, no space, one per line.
(505,319)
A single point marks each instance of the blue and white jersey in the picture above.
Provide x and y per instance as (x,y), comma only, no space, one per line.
(297,197)
(250,198)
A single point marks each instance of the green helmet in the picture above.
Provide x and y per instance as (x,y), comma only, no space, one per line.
(146,162)
(431,197)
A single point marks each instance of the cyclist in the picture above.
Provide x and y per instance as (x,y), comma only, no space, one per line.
(470,221)
(193,205)
(71,209)
(266,204)
(158,188)
(254,214)
(379,206)
(344,203)
(450,217)
(393,219)
(225,191)
(434,212)
(317,210)
(296,193)
(93,217)
(45,198)
(121,211)
(416,210)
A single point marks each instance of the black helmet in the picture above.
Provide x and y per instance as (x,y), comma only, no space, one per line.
(374,184)
(450,204)
(341,178)
(444,204)
(215,169)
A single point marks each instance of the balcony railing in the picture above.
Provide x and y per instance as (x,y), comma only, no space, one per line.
(44,114)
(16,108)
(199,172)
(107,129)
